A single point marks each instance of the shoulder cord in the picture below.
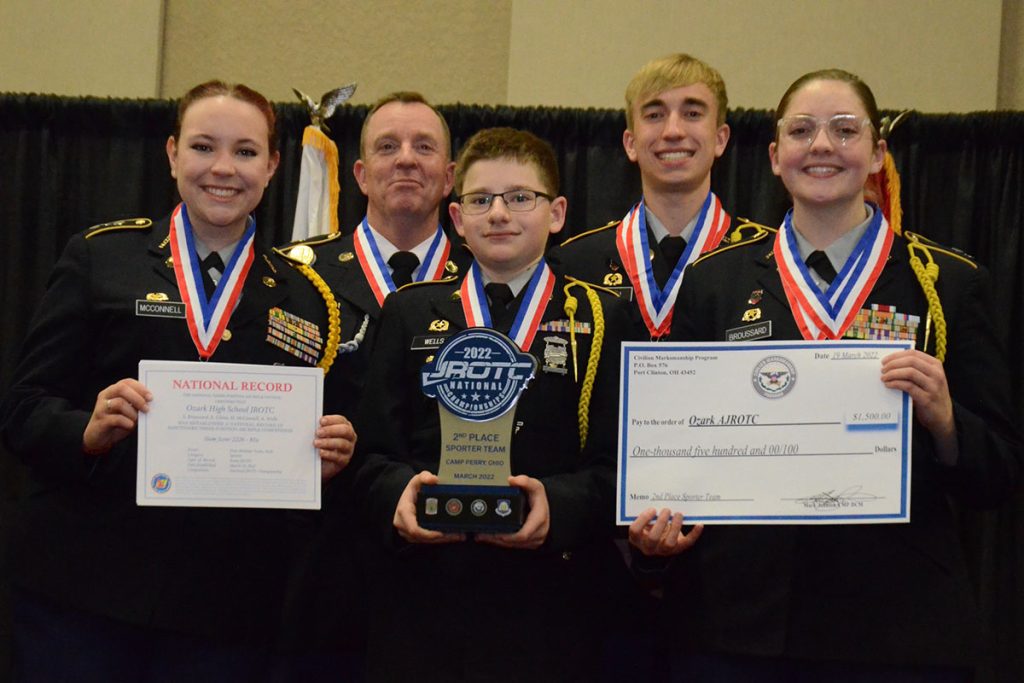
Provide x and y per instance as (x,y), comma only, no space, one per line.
(571,304)
(333,317)
(927,275)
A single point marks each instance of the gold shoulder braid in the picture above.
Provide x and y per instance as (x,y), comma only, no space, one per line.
(927,276)
(571,305)
(333,317)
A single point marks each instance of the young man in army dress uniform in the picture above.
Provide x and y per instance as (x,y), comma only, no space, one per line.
(519,606)
(675,129)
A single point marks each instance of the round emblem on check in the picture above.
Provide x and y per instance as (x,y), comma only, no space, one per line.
(774,377)
(478,507)
(453,506)
(478,374)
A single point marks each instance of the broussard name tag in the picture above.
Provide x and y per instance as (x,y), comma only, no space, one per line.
(763,433)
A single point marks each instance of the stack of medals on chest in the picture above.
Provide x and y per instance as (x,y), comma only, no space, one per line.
(291,333)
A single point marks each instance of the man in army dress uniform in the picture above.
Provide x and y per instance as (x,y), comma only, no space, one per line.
(405,171)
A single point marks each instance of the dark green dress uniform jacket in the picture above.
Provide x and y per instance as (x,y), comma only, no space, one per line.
(594,257)
(471,611)
(80,540)
(888,593)
(325,612)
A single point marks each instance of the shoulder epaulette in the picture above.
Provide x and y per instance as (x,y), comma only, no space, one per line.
(123,224)
(420,283)
(932,246)
(301,251)
(747,232)
(590,232)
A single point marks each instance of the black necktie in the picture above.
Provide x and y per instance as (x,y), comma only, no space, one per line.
(671,248)
(402,264)
(214,262)
(822,266)
(500,295)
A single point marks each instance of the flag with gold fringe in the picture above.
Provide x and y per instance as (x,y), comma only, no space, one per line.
(316,208)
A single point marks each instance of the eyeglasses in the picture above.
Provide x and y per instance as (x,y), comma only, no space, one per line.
(842,129)
(515,200)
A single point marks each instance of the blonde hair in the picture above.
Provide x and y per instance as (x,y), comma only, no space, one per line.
(674,71)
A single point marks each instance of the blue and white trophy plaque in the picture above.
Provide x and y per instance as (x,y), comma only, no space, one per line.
(477,378)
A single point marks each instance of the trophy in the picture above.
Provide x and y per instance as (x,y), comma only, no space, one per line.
(477,378)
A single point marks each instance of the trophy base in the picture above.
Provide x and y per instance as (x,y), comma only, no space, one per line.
(483,509)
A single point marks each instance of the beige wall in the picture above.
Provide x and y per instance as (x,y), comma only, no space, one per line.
(932,55)
(1011,59)
(81,47)
(451,50)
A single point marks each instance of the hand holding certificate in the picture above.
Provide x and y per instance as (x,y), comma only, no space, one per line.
(791,432)
(229,435)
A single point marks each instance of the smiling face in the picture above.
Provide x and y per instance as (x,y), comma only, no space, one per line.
(505,242)
(405,171)
(826,174)
(222,162)
(675,139)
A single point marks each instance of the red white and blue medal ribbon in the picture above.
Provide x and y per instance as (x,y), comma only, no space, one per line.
(376,270)
(207,318)
(531,310)
(656,304)
(828,314)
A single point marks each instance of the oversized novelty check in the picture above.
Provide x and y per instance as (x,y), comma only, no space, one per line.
(229,435)
(763,433)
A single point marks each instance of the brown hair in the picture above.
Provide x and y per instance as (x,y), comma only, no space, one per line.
(860,89)
(238,91)
(405,97)
(509,143)
(674,71)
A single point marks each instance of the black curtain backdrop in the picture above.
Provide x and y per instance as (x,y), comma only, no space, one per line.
(68,163)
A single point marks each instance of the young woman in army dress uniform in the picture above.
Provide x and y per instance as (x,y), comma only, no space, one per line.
(873,602)
(107,590)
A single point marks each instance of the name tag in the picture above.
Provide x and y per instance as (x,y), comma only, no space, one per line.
(428,342)
(761,330)
(159,309)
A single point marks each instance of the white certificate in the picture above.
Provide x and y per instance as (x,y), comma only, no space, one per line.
(763,433)
(229,435)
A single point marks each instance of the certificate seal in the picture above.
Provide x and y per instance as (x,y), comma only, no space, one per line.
(478,375)
(774,376)
(160,483)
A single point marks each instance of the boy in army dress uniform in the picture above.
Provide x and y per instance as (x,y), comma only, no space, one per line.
(518,606)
